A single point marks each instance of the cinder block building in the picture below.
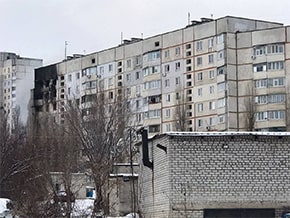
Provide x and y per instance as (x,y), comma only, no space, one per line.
(206,175)
(228,74)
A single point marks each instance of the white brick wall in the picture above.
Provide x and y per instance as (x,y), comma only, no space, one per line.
(216,171)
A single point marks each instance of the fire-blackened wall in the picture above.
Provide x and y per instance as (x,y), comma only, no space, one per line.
(45,87)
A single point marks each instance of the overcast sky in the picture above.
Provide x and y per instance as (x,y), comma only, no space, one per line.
(39,28)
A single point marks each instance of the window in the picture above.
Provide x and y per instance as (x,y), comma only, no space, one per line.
(210,59)
(153,114)
(220,55)
(69,78)
(139,117)
(110,67)
(167,113)
(177,66)
(154,128)
(167,83)
(188,53)
(200,107)
(199,122)
(166,54)
(275,49)
(221,70)
(188,46)
(265,99)
(211,74)
(168,98)
(259,50)
(221,118)
(167,68)
(168,127)
(210,43)
(78,75)
(212,121)
(111,95)
(276,98)
(128,90)
(260,67)
(128,77)
(261,116)
(198,45)
(138,60)
(177,51)
(188,68)
(199,92)
(220,39)
(137,103)
(188,76)
(93,60)
(221,102)
(211,105)
(177,80)
(276,115)
(211,89)
(221,86)
(278,65)
(199,76)
(262,99)
(276,82)
(261,83)
(110,82)
(154,84)
(138,90)
(157,44)
(137,75)
(129,63)
(199,61)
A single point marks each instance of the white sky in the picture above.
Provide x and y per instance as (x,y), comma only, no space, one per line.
(39,28)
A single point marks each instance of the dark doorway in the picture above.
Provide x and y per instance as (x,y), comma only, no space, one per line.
(239,213)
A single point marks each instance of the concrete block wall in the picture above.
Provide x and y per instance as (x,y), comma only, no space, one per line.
(219,171)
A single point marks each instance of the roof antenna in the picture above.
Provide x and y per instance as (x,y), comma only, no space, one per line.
(188,18)
(65,49)
(121,37)
(211,16)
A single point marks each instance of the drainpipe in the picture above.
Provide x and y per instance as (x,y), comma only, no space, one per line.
(145,149)
(237,81)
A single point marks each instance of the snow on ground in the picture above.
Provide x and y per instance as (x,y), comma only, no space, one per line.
(84,208)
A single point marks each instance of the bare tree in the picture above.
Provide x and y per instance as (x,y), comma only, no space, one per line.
(250,109)
(99,128)
(180,112)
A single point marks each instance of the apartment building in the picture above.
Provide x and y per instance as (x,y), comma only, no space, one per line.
(16,82)
(227,74)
